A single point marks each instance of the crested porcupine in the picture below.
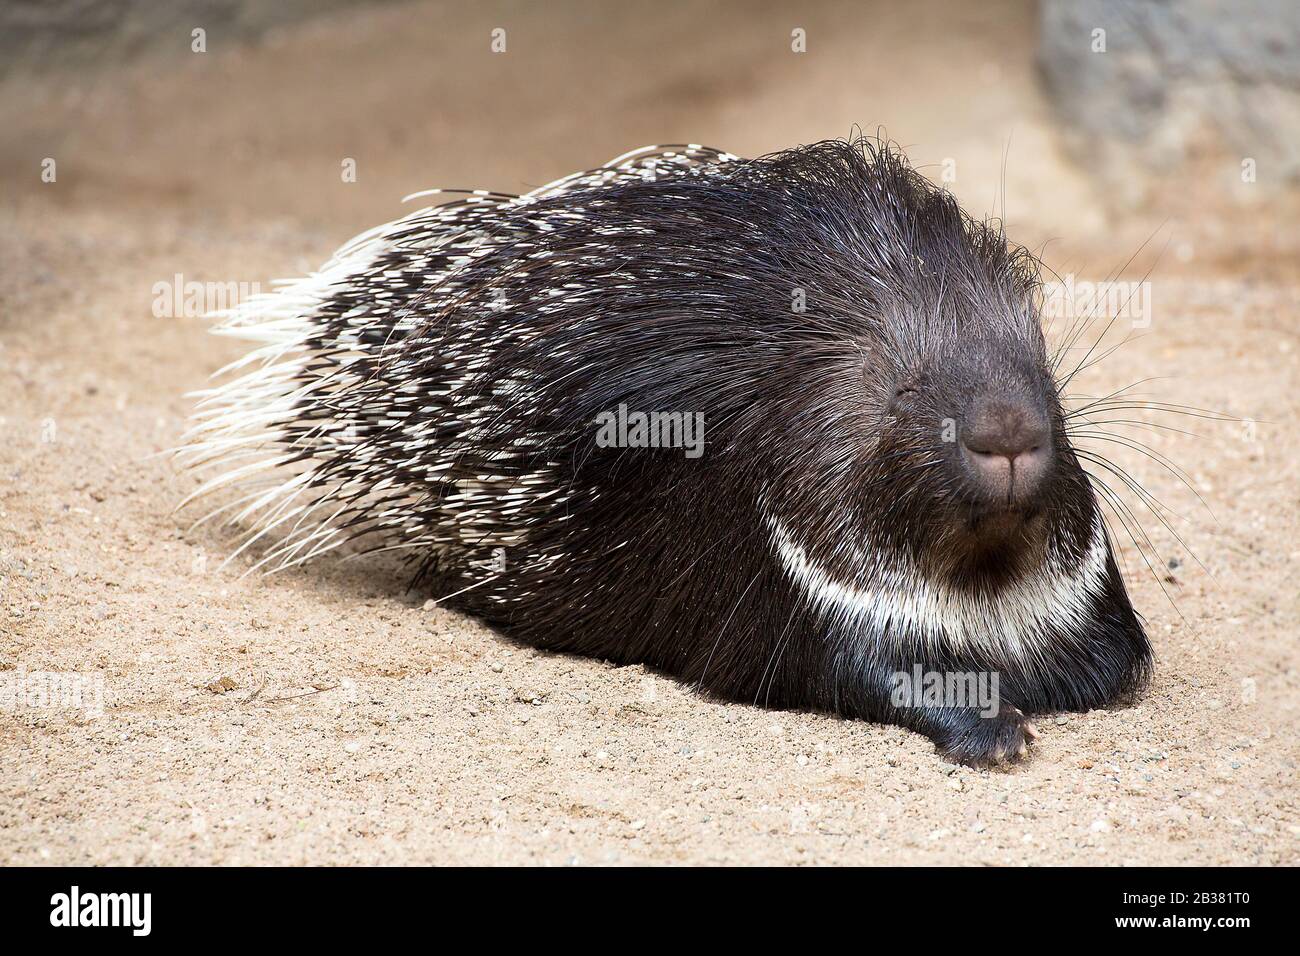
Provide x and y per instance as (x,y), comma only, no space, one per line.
(886,485)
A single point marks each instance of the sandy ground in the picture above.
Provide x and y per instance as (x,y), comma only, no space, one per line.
(324,716)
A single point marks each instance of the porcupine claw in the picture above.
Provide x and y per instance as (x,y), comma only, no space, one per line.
(996,741)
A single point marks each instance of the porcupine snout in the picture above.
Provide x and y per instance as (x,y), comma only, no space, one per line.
(1006,449)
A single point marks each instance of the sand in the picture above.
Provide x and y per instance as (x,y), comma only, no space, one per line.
(324,716)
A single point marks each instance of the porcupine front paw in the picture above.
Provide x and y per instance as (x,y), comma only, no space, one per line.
(980,741)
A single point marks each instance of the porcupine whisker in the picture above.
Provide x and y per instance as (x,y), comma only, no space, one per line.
(1112,403)
(1155,456)
(1186,410)
(1105,505)
(1156,507)
(1075,332)
(1136,523)
(1134,423)
(1160,506)
(1121,510)
(1113,395)
(1084,363)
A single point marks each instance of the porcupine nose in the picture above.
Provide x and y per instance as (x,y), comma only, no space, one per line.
(1007,447)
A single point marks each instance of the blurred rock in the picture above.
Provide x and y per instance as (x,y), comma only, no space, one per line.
(37,35)
(1145,88)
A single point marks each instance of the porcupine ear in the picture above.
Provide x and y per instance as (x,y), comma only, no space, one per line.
(291,433)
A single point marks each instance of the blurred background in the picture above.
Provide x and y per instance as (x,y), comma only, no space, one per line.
(1075,120)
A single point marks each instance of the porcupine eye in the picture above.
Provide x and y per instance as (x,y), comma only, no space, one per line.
(905,395)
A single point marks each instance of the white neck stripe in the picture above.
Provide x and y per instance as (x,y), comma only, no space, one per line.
(892,597)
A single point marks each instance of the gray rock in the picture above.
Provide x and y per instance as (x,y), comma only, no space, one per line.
(1174,79)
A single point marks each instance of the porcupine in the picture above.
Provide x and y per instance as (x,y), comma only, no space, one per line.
(886,486)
